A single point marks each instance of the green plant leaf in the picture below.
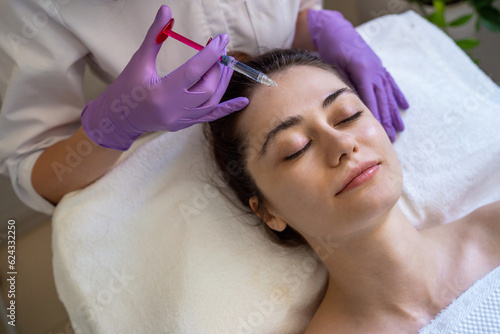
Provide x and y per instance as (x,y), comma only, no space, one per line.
(489,26)
(490,18)
(460,21)
(475,60)
(439,6)
(437,19)
(478,24)
(467,43)
(481,3)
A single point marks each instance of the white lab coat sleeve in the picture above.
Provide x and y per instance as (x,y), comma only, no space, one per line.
(42,66)
(311,4)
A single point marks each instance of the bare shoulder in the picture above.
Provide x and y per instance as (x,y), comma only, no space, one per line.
(475,236)
(329,321)
(486,217)
(483,224)
(472,243)
(480,229)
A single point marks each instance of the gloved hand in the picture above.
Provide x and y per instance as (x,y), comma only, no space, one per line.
(139,101)
(339,44)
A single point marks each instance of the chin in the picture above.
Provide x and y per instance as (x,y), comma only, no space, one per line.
(374,199)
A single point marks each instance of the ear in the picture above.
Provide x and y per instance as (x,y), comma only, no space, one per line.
(272,221)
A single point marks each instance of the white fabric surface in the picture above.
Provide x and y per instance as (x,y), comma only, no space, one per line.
(151,247)
(476,311)
(44,46)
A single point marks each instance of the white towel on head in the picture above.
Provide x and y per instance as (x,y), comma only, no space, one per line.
(151,247)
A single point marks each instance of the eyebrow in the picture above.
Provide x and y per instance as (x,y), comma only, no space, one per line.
(295,120)
(332,97)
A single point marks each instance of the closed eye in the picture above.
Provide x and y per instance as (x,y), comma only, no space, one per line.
(299,153)
(346,121)
(352,118)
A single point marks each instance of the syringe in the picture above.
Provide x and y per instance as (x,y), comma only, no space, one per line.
(247,71)
(224,60)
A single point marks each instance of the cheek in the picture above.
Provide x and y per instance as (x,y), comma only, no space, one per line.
(376,137)
(375,131)
(396,173)
(289,196)
(282,191)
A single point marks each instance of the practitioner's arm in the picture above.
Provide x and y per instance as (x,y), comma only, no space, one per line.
(138,101)
(69,165)
(302,39)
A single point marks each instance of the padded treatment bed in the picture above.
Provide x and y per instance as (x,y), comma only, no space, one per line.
(153,247)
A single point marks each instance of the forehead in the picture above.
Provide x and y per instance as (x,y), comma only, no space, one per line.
(300,88)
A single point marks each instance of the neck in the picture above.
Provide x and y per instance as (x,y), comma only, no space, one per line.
(390,267)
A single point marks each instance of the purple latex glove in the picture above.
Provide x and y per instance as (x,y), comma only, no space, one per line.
(139,101)
(339,44)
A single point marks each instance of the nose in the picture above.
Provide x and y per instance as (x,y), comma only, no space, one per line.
(338,146)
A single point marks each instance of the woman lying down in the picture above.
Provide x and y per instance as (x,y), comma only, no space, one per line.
(318,168)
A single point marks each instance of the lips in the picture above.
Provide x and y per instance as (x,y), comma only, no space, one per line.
(357,171)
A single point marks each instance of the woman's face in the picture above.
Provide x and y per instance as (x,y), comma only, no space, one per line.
(306,137)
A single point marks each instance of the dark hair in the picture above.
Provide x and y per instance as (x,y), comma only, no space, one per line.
(230,147)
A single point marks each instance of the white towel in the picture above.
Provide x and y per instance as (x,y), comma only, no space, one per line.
(151,247)
(476,311)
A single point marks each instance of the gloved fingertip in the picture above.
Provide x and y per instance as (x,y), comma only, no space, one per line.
(229,107)
(401,100)
(398,94)
(163,15)
(391,133)
(398,124)
(155,32)
(163,11)
(220,40)
(232,106)
(239,103)
(399,127)
(404,103)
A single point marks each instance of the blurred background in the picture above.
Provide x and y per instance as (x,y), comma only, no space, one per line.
(38,309)
(487,52)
